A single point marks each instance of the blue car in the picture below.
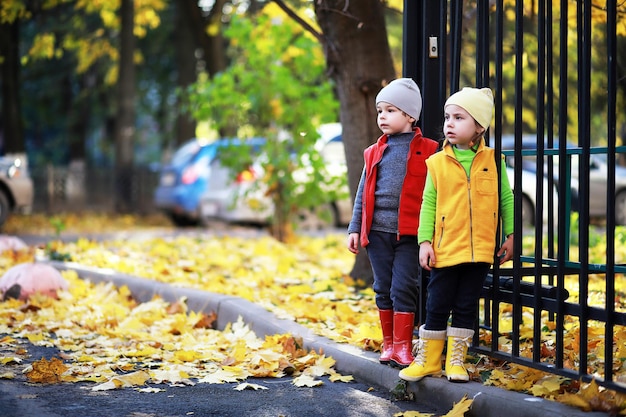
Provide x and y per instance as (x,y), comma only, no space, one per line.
(185,179)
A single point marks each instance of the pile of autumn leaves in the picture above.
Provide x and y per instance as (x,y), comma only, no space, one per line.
(305,281)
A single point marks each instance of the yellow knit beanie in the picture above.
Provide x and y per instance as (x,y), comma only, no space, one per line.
(478,102)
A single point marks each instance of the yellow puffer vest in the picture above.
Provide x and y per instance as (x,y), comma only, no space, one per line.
(467,214)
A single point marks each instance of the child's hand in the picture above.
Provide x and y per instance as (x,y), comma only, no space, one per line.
(506,250)
(353,243)
(427,256)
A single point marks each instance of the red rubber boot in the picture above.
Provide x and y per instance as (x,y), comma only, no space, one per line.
(386,324)
(403,324)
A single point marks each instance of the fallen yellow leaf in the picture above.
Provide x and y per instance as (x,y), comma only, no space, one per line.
(122,381)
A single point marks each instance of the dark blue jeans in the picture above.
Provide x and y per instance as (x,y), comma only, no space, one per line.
(454,290)
(395,264)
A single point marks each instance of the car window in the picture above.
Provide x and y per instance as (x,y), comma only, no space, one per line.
(184,154)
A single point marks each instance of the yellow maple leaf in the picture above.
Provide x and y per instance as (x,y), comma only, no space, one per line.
(547,386)
(575,401)
(224,375)
(266,356)
(10,359)
(460,408)
(173,376)
(35,337)
(187,355)
(335,376)
(323,365)
(307,381)
(133,379)
(239,351)
(146,351)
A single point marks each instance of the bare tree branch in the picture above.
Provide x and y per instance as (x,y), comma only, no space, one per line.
(299,20)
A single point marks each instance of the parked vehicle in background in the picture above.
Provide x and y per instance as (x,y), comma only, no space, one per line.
(197,186)
(16,187)
(184,180)
(529,195)
(598,175)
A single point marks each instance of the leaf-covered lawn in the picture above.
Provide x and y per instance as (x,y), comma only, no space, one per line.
(305,281)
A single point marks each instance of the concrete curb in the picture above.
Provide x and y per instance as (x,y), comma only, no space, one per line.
(488,401)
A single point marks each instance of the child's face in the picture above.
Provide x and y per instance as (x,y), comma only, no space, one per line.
(392,120)
(460,128)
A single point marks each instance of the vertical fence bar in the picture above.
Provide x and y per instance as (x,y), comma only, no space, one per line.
(564,197)
(456,29)
(498,61)
(584,74)
(549,130)
(423,21)
(539,207)
(611,46)
(519,58)
(482,43)
(564,173)
(411,39)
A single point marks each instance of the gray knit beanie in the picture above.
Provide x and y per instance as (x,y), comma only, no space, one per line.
(404,94)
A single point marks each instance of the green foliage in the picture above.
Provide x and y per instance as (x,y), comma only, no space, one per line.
(275,88)
(58,224)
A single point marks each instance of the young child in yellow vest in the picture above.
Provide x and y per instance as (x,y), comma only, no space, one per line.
(463,205)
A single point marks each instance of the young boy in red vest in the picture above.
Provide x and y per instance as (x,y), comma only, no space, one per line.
(386,214)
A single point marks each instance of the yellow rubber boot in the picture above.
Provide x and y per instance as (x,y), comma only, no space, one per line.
(427,361)
(459,340)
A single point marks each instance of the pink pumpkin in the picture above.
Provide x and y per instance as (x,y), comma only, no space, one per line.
(23,280)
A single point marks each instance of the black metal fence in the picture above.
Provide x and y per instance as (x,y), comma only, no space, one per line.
(80,188)
(546,311)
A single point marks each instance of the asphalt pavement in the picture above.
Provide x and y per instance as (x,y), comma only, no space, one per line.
(281,398)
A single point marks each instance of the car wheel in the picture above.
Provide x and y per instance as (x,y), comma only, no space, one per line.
(317,218)
(620,208)
(5,208)
(182,221)
(528,212)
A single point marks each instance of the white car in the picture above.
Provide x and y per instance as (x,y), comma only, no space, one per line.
(598,184)
(598,174)
(529,196)
(16,187)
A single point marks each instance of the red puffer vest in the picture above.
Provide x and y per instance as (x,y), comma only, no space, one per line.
(412,187)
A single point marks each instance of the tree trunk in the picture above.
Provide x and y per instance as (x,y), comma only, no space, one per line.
(125,121)
(359,62)
(11,125)
(187,72)
(210,42)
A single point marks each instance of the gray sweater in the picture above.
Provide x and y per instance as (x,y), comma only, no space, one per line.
(391,173)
